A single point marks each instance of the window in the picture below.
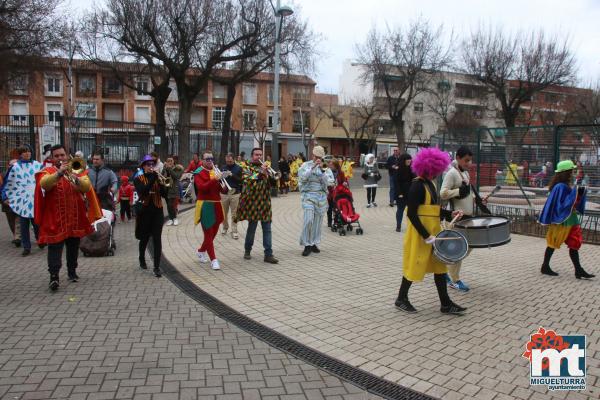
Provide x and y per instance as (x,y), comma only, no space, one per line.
(418,129)
(87,85)
(336,122)
(142,114)
(301,122)
(552,97)
(219,91)
(54,111)
(249,93)
(113,112)
(198,116)
(112,86)
(301,96)
(469,91)
(476,112)
(270,94)
(142,86)
(18,111)
(173,95)
(53,85)
(420,85)
(85,110)
(18,84)
(269,119)
(171,115)
(418,106)
(218,117)
(249,121)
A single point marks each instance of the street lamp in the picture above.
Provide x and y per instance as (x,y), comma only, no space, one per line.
(280,13)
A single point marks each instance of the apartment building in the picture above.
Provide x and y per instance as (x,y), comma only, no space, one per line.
(97,94)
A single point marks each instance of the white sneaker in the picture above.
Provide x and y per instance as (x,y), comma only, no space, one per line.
(224,231)
(203,256)
(369,205)
(170,222)
(214,264)
(175,222)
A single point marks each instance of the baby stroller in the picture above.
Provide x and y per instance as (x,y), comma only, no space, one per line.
(101,242)
(345,217)
(187,187)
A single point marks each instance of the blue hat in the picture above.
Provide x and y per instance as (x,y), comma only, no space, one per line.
(146,158)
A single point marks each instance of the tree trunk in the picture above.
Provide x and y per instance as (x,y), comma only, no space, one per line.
(227,123)
(398,125)
(160,96)
(183,127)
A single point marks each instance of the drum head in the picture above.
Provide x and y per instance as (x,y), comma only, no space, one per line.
(451,251)
(481,222)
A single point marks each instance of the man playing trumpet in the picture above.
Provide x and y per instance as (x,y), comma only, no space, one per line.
(60,212)
(313,180)
(231,199)
(209,211)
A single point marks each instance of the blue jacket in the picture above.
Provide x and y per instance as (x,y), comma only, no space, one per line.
(559,205)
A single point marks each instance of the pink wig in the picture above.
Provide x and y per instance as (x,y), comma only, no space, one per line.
(430,162)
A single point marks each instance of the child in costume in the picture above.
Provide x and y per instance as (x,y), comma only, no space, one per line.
(424,216)
(563,211)
(125,198)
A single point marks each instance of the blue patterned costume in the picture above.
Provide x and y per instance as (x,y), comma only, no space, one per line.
(313,182)
(20,187)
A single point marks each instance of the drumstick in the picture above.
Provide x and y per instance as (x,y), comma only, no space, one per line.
(455,219)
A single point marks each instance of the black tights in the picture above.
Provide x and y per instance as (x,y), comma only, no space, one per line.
(440,284)
(573,254)
(371,192)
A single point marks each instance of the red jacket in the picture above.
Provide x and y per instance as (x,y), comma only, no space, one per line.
(126,192)
(207,187)
(193,165)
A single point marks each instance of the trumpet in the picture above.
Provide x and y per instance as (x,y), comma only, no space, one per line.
(223,181)
(270,171)
(75,166)
(163,180)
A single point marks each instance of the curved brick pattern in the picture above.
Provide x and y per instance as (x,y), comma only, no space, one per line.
(120,333)
(340,302)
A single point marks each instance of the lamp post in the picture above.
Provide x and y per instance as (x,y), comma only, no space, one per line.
(280,13)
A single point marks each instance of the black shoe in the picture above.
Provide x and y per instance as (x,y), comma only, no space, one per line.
(392,204)
(315,249)
(404,305)
(26,252)
(247,255)
(73,277)
(143,264)
(17,242)
(53,283)
(157,272)
(41,246)
(547,271)
(398,229)
(271,260)
(329,224)
(581,274)
(307,250)
(452,309)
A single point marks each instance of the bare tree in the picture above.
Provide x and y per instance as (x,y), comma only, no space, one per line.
(587,112)
(29,29)
(515,67)
(400,63)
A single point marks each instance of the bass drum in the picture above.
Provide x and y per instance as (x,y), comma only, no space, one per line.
(482,232)
(450,247)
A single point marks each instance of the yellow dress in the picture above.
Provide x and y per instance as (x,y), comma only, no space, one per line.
(418,258)
(510,177)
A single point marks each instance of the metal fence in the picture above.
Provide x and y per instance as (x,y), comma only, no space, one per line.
(122,143)
(522,160)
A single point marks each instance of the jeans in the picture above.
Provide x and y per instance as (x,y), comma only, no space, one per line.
(400,206)
(55,255)
(371,192)
(267,236)
(172,208)
(25,234)
(392,189)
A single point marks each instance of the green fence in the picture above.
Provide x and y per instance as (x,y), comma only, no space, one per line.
(522,160)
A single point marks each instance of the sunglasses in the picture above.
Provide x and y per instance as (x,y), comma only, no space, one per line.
(209,159)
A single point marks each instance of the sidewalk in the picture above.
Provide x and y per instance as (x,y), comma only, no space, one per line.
(121,333)
(341,302)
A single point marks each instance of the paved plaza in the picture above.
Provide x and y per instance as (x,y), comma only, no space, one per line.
(341,302)
(121,333)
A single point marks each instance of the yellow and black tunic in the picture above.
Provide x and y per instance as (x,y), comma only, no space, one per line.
(424,216)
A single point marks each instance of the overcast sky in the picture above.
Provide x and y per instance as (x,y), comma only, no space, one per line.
(343,23)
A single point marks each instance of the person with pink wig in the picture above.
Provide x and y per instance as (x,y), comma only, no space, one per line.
(424,215)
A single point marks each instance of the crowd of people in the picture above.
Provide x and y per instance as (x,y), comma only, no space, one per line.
(60,198)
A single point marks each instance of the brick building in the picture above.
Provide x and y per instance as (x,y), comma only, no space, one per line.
(96,94)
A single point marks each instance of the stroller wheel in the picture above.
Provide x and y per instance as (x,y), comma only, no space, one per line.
(359,231)
(111,253)
(342,232)
(333,229)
